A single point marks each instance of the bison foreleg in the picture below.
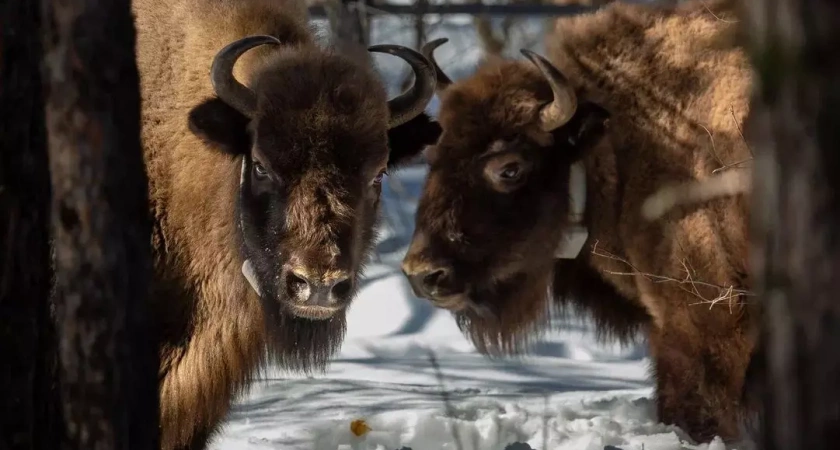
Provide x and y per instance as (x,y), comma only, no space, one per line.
(699,381)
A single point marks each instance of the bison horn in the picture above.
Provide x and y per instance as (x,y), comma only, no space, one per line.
(559,111)
(412,102)
(227,88)
(428,51)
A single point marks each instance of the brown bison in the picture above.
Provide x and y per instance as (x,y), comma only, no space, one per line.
(273,186)
(535,189)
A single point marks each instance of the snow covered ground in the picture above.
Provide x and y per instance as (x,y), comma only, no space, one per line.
(568,393)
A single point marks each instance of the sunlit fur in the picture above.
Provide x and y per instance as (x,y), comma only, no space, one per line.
(322,125)
(676,91)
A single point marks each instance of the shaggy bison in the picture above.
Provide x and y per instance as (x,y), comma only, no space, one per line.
(536,156)
(264,194)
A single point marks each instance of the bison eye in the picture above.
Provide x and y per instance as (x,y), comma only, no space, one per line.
(509,172)
(377,180)
(259,170)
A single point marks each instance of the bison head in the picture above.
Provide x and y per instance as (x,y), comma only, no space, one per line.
(496,201)
(312,133)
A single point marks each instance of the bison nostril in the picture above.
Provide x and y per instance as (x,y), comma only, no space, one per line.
(431,283)
(341,289)
(296,284)
(434,279)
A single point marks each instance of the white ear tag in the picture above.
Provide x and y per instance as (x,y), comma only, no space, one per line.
(247,267)
(575,235)
(571,243)
(251,276)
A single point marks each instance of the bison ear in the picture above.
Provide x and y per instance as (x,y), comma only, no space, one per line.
(220,126)
(587,126)
(409,139)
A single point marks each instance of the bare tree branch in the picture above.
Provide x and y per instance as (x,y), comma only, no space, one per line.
(728,294)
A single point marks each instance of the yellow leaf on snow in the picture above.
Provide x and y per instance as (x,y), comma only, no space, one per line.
(359,427)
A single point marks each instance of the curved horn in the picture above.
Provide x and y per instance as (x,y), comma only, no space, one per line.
(227,88)
(428,50)
(412,102)
(559,111)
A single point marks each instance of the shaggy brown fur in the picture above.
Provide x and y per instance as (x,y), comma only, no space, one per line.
(669,90)
(312,153)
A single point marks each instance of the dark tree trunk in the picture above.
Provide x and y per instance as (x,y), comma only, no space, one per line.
(100,220)
(27,341)
(795,130)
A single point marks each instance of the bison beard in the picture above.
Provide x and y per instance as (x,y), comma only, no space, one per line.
(302,345)
(508,327)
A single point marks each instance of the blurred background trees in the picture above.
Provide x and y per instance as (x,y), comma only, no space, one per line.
(27,341)
(795,254)
(79,368)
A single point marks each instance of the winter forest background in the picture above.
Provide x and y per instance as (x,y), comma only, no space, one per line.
(405,369)
(568,393)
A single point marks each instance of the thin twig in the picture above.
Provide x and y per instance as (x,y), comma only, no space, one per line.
(687,284)
(450,411)
(545,421)
(695,191)
(735,165)
(740,132)
(715,15)
(714,149)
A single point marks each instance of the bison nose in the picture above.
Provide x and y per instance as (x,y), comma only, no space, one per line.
(309,291)
(430,283)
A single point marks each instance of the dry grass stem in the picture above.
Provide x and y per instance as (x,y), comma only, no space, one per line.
(722,294)
(447,403)
(696,191)
(715,15)
(740,131)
